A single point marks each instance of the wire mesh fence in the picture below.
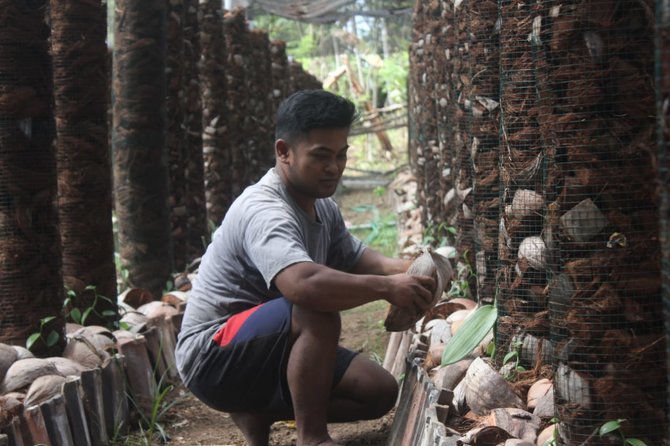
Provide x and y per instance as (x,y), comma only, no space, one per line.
(31,286)
(663,137)
(140,157)
(79,59)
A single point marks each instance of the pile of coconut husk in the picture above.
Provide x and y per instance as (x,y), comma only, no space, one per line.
(261,140)
(468,402)
(522,276)
(30,275)
(79,61)
(197,229)
(175,138)
(595,66)
(216,146)
(237,70)
(300,79)
(280,73)
(101,385)
(424,144)
(484,142)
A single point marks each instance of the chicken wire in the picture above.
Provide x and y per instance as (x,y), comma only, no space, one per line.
(81,92)
(663,136)
(593,63)
(31,286)
(138,143)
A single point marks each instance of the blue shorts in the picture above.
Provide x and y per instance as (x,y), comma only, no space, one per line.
(244,367)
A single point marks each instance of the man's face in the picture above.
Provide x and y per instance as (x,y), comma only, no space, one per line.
(314,164)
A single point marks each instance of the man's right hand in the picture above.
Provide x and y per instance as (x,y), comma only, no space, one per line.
(413,293)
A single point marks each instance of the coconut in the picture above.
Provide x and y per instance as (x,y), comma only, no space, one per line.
(526,202)
(10,407)
(7,357)
(66,367)
(427,264)
(24,371)
(101,337)
(83,351)
(135,320)
(43,388)
(533,249)
(485,389)
(22,352)
(135,297)
(157,309)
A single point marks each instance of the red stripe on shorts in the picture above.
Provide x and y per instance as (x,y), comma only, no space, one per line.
(232,326)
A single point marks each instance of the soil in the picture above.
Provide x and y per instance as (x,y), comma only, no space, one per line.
(190,422)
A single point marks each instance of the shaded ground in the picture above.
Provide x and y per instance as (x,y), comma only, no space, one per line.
(190,422)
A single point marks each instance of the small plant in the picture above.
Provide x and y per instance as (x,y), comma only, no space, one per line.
(615,425)
(439,235)
(50,339)
(553,441)
(471,333)
(79,316)
(513,356)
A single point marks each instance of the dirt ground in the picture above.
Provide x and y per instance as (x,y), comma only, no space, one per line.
(189,422)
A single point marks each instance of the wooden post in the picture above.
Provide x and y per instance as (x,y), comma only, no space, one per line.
(391,350)
(56,421)
(139,372)
(74,407)
(35,423)
(114,396)
(93,406)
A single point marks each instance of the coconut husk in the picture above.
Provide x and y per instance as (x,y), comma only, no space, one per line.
(136,297)
(8,356)
(136,321)
(10,407)
(22,352)
(80,349)
(44,388)
(24,371)
(157,309)
(66,367)
(485,389)
(428,264)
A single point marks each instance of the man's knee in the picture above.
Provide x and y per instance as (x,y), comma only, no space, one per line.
(387,394)
(323,324)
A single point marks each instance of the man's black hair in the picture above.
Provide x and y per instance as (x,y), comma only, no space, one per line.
(307,110)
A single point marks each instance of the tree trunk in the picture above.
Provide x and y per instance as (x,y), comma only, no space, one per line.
(84,169)
(31,285)
(140,156)
(198,231)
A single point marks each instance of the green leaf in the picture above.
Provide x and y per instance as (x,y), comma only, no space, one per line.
(84,316)
(610,426)
(509,356)
(46,320)
(635,442)
(452,230)
(90,287)
(471,333)
(124,325)
(31,340)
(75,315)
(52,339)
(109,313)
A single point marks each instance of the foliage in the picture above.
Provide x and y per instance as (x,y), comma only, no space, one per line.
(380,234)
(439,235)
(80,316)
(513,356)
(49,339)
(614,426)
(472,332)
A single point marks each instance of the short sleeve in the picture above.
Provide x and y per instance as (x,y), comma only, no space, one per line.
(273,242)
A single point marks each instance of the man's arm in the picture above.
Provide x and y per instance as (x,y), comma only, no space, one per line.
(320,288)
(374,262)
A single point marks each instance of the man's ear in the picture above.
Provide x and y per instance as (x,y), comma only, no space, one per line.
(282,150)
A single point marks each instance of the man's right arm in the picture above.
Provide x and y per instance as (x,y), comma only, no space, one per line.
(321,288)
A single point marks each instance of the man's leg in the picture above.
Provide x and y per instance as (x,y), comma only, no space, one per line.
(309,372)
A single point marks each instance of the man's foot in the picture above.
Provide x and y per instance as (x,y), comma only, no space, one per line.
(255,427)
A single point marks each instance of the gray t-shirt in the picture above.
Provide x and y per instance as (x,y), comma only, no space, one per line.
(263,232)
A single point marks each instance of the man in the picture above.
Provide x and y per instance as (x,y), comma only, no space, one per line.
(260,334)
